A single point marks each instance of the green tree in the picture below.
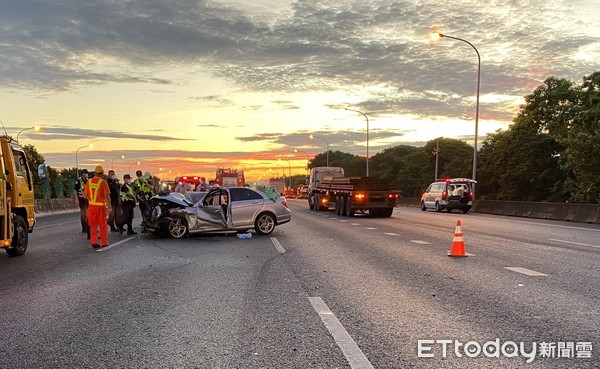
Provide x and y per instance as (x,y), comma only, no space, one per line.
(581,157)
(354,166)
(455,158)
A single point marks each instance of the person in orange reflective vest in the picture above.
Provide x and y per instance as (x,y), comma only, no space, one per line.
(98,194)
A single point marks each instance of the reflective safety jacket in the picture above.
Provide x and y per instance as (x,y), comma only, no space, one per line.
(96,190)
(123,194)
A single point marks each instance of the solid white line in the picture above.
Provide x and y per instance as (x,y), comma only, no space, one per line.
(574,243)
(546,225)
(355,223)
(352,352)
(370,228)
(115,244)
(392,234)
(421,242)
(277,245)
(528,272)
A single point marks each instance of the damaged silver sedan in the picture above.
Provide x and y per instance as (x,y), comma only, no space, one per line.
(221,209)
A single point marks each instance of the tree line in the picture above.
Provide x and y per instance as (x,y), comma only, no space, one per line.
(551,152)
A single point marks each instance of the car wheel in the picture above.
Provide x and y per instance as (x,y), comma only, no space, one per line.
(466,210)
(20,238)
(264,224)
(178,228)
(423,207)
(437,207)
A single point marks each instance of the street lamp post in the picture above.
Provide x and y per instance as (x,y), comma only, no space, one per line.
(367,118)
(326,142)
(437,35)
(307,159)
(76,158)
(276,171)
(134,163)
(113,161)
(436,152)
(35,128)
(290,170)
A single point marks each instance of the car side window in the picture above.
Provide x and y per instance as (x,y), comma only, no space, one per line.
(243,194)
(429,188)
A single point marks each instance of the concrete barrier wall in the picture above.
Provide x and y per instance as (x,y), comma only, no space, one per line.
(43,206)
(585,213)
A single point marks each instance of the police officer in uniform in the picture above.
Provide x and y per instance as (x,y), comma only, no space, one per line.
(81,201)
(127,197)
(115,189)
(143,188)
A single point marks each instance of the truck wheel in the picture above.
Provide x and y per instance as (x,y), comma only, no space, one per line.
(423,207)
(349,210)
(466,210)
(338,205)
(387,212)
(20,238)
(310,203)
(343,206)
(264,224)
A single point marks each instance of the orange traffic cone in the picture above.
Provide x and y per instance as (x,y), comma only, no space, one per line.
(458,244)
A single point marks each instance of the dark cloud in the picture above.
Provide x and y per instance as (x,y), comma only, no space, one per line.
(67,133)
(52,45)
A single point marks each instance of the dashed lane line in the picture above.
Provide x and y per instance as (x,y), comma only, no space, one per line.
(350,349)
(370,228)
(421,242)
(392,234)
(528,272)
(115,244)
(277,245)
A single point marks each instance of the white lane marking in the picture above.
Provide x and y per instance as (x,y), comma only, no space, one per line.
(355,224)
(334,218)
(57,224)
(528,272)
(421,242)
(392,234)
(352,352)
(343,221)
(277,245)
(574,243)
(115,244)
(370,228)
(469,254)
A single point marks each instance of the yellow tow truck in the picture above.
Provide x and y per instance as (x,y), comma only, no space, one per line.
(17,217)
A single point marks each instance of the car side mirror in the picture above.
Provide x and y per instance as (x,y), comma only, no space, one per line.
(8,186)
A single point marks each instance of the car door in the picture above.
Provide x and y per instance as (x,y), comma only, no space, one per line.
(245,203)
(215,212)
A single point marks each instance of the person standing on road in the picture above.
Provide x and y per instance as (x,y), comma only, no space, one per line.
(81,201)
(115,189)
(127,205)
(143,188)
(98,195)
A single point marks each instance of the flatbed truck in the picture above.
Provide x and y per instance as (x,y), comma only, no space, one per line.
(328,187)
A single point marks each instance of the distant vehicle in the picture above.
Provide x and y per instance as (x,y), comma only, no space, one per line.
(166,185)
(328,186)
(220,209)
(448,194)
(302,192)
(230,177)
(193,180)
(289,193)
(278,184)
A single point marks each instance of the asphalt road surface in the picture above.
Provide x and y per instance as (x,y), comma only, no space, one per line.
(322,291)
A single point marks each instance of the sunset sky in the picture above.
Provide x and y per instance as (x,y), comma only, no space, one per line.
(189,86)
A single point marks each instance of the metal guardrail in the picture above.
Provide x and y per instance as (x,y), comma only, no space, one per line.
(584,213)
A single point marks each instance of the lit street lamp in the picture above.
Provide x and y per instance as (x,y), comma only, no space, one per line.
(35,128)
(134,163)
(113,160)
(307,159)
(367,118)
(437,36)
(76,158)
(326,142)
